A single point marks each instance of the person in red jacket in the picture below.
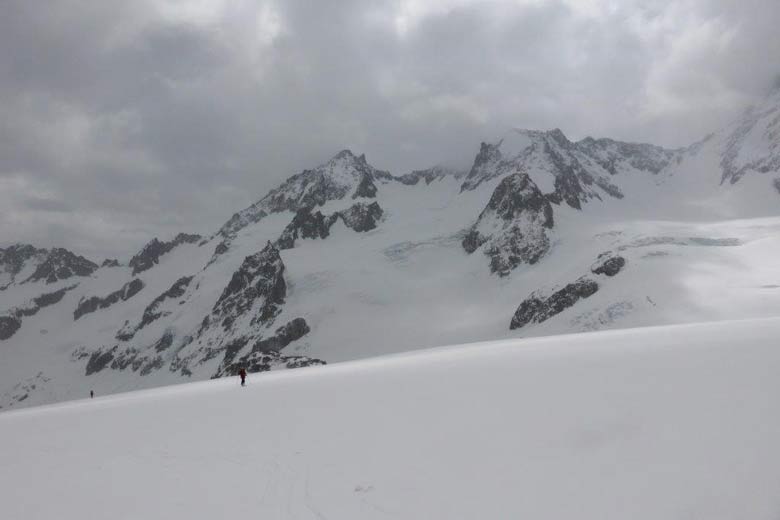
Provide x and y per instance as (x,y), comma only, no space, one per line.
(242,375)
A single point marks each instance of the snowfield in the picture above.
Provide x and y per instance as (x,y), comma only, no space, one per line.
(652,423)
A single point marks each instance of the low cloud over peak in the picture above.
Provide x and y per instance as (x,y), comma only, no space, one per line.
(123,120)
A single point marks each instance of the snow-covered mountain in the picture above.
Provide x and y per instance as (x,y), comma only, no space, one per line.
(541,236)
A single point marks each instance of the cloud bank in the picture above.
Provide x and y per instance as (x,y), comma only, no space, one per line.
(124,120)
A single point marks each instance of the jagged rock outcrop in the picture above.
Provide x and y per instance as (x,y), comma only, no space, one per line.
(61,264)
(284,335)
(259,280)
(110,262)
(578,172)
(344,175)
(93,303)
(8,326)
(11,323)
(266,361)
(14,258)
(306,224)
(513,226)
(757,131)
(609,264)
(430,175)
(99,360)
(537,309)
(150,255)
(144,360)
(365,188)
(361,217)
(155,310)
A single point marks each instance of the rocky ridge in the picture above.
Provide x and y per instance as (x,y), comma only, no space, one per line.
(150,255)
(512,229)
(580,171)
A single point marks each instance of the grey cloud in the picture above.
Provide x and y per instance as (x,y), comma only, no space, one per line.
(145,123)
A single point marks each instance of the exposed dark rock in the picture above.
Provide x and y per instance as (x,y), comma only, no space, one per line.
(152,312)
(51,298)
(485,166)
(13,258)
(366,188)
(165,342)
(577,168)
(283,336)
(609,264)
(99,360)
(150,255)
(8,326)
(88,305)
(265,361)
(521,214)
(260,276)
(305,224)
(536,309)
(344,174)
(110,262)
(361,217)
(126,333)
(151,365)
(61,264)
(430,175)
(221,248)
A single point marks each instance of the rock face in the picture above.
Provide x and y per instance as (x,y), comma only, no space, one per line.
(536,309)
(430,175)
(609,264)
(579,171)
(150,255)
(94,303)
(110,262)
(344,175)
(14,258)
(366,188)
(359,217)
(757,131)
(513,226)
(264,350)
(11,323)
(266,361)
(305,224)
(61,264)
(242,316)
(259,280)
(8,326)
(155,310)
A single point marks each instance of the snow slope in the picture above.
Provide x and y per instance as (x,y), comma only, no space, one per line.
(666,422)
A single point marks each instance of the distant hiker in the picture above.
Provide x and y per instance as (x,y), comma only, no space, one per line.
(91,394)
(242,375)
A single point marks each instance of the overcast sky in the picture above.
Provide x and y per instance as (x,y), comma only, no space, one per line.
(121,120)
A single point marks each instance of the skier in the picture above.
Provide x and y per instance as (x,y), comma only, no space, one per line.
(242,374)
(91,394)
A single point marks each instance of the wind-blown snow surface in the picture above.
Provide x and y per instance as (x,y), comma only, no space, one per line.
(666,422)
